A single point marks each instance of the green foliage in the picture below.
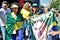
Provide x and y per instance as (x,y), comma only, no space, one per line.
(55,4)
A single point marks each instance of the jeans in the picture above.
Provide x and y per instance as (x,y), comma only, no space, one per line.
(3,32)
(19,35)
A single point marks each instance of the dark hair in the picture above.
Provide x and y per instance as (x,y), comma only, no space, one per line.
(5,2)
(47,8)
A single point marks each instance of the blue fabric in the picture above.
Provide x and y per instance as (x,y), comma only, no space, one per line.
(3,32)
(24,24)
(13,36)
(55,28)
(20,34)
(40,11)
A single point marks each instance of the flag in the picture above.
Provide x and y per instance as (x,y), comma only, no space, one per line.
(21,3)
(42,24)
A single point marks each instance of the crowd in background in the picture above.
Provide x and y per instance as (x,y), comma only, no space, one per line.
(13,20)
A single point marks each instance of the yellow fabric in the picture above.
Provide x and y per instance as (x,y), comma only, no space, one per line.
(54,24)
(6,26)
(18,25)
(25,13)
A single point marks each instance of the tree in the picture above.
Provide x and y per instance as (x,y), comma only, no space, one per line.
(55,4)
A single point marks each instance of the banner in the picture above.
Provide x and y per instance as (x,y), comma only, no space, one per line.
(41,25)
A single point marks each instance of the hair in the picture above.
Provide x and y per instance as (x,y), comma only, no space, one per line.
(17,5)
(5,2)
(47,8)
(27,3)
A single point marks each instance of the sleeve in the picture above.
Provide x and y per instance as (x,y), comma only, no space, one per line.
(2,16)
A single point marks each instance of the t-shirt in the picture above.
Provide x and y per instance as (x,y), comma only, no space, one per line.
(25,13)
(3,16)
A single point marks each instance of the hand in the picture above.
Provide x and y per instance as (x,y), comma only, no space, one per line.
(53,33)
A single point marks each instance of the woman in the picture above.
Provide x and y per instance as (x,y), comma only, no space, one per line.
(14,23)
(26,10)
(25,13)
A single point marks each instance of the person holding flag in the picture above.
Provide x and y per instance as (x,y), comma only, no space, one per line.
(53,33)
(14,23)
(34,13)
(41,25)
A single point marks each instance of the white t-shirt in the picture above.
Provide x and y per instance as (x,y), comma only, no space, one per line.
(3,16)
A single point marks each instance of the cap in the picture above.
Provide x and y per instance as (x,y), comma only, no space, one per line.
(34,5)
(14,6)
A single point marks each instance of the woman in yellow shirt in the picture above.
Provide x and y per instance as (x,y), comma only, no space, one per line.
(26,10)
(25,13)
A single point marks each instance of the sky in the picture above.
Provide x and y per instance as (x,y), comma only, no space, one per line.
(44,2)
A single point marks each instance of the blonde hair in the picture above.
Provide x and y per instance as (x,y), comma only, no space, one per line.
(27,3)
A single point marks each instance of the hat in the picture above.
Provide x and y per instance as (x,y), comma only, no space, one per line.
(34,5)
(14,6)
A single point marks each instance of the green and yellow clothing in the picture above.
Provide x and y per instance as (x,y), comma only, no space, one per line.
(13,24)
(25,13)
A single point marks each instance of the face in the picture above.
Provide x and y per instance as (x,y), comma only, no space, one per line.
(5,6)
(27,6)
(34,9)
(45,9)
(15,10)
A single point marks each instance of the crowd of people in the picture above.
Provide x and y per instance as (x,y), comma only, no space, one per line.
(13,20)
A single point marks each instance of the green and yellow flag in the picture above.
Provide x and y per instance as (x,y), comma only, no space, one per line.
(42,24)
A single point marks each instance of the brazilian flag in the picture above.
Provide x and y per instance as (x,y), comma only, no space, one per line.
(52,26)
(13,24)
(42,24)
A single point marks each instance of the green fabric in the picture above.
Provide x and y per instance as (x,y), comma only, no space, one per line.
(12,23)
(58,26)
(31,23)
(49,19)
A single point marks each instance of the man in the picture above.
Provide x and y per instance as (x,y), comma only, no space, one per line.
(53,33)
(3,15)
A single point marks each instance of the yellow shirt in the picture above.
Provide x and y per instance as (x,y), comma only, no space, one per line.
(25,13)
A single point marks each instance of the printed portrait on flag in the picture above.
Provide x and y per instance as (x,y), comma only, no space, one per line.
(42,25)
(39,27)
